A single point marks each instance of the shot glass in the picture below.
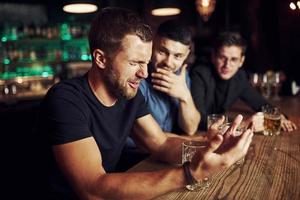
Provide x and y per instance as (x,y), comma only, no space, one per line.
(224,127)
(189,149)
(212,118)
(272,120)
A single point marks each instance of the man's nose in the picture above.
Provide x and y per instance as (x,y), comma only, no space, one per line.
(143,72)
(227,63)
(168,62)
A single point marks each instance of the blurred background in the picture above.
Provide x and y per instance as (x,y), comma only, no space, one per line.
(40,40)
(42,44)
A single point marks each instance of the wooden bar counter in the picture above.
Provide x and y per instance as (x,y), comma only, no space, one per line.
(271,169)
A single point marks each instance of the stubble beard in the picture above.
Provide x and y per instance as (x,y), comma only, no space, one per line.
(117,85)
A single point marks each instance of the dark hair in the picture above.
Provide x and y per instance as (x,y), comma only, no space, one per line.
(111,25)
(175,30)
(229,39)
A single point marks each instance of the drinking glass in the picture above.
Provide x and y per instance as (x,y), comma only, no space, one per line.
(224,127)
(212,118)
(189,149)
(256,81)
(275,86)
(265,87)
(272,120)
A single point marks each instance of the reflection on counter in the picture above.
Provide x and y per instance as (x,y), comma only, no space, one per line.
(25,88)
(26,83)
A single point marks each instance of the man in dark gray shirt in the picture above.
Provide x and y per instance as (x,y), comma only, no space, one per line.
(216,88)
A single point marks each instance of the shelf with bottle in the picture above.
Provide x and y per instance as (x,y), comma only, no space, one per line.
(24,71)
(31,62)
(47,51)
(61,31)
(61,42)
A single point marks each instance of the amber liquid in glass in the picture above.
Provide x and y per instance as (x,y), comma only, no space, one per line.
(272,124)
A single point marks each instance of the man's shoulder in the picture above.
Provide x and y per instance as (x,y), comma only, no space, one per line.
(201,72)
(242,72)
(145,87)
(144,84)
(201,69)
(240,75)
(69,87)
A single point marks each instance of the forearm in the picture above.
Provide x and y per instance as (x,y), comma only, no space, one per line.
(140,185)
(188,116)
(171,150)
(200,137)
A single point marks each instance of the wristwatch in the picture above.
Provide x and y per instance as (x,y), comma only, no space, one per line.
(192,183)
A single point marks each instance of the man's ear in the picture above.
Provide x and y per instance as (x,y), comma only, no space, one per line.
(188,53)
(99,58)
(242,61)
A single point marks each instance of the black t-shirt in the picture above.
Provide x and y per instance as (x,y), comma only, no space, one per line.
(70,112)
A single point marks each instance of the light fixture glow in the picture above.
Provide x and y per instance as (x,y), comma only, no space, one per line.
(205,3)
(293,6)
(205,8)
(165,11)
(80,8)
(298,4)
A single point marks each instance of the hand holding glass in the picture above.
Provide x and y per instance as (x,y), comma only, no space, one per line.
(238,131)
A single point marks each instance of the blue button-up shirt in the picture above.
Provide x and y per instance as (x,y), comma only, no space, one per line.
(162,107)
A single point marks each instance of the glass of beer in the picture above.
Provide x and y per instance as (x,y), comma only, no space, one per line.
(272,120)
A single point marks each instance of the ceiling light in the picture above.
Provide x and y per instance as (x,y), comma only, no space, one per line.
(82,6)
(205,8)
(165,8)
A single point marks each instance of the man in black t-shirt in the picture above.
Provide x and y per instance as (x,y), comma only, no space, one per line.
(85,122)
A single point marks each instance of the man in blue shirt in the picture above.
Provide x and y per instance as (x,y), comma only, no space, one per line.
(167,88)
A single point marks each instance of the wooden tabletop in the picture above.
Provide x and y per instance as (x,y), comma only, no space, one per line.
(271,169)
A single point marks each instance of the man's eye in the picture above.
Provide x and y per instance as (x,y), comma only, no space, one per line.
(133,64)
(234,59)
(178,56)
(162,52)
(221,57)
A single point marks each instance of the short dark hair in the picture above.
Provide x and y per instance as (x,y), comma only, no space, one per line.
(229,39)
(111,25)
(175,30)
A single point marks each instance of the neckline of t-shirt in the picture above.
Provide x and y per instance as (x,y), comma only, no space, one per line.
(98,100)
